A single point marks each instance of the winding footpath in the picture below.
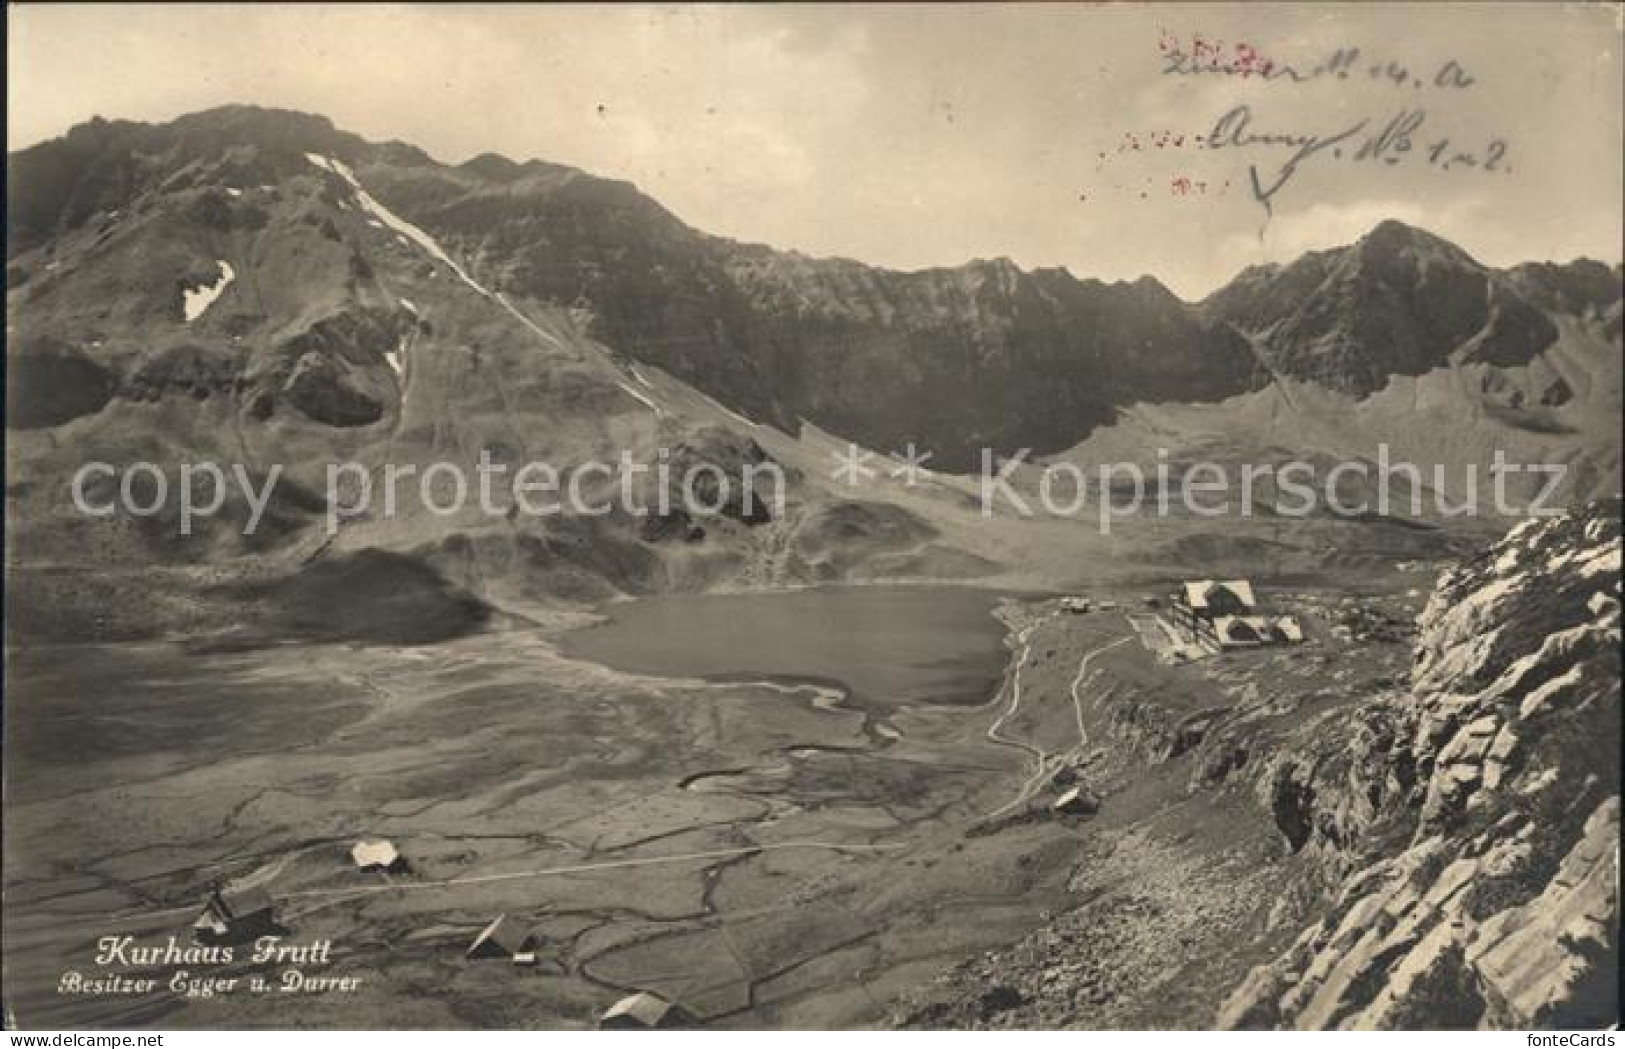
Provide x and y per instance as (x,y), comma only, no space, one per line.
(1010,711)
(1045,763)
(1077,701)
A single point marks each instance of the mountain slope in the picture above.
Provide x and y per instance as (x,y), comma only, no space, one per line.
(1402,347)
(1005,358)
(342,333)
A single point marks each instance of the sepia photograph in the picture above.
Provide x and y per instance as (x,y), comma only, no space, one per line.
(1000,517)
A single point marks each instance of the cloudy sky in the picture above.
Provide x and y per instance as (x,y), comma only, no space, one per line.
(918,136)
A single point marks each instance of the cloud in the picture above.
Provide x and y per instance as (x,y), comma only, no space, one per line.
(1328,225)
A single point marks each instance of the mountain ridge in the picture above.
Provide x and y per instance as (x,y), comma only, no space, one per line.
(383,305)
(493,164)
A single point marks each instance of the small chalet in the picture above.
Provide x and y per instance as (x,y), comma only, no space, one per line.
(377,857)
(1075,802)
(644,1012)
(235,917)
(506,938)
(1225,615)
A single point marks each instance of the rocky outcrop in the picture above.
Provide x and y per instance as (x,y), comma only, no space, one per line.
(1471,824)
(192,370)
(337,370)
(731,473)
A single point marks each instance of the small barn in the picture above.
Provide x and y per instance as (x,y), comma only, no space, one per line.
(235,917)
(506,938)
(644,1012)
(1075,802)
(377,857)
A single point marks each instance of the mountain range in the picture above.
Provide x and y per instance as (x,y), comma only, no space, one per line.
(257,286)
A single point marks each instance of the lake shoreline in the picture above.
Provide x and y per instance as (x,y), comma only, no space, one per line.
(877,648)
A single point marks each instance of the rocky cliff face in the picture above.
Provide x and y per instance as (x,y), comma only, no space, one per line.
(984,355)
(1470,831)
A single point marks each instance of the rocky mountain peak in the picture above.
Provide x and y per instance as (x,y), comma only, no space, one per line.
(1400,301)
(494,167)
(1392,240)
(270,127)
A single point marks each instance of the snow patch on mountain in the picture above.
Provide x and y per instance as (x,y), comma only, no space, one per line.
(194,301)
(651,405)
(729,412)
(393,221)
(404,229)
(396,358)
